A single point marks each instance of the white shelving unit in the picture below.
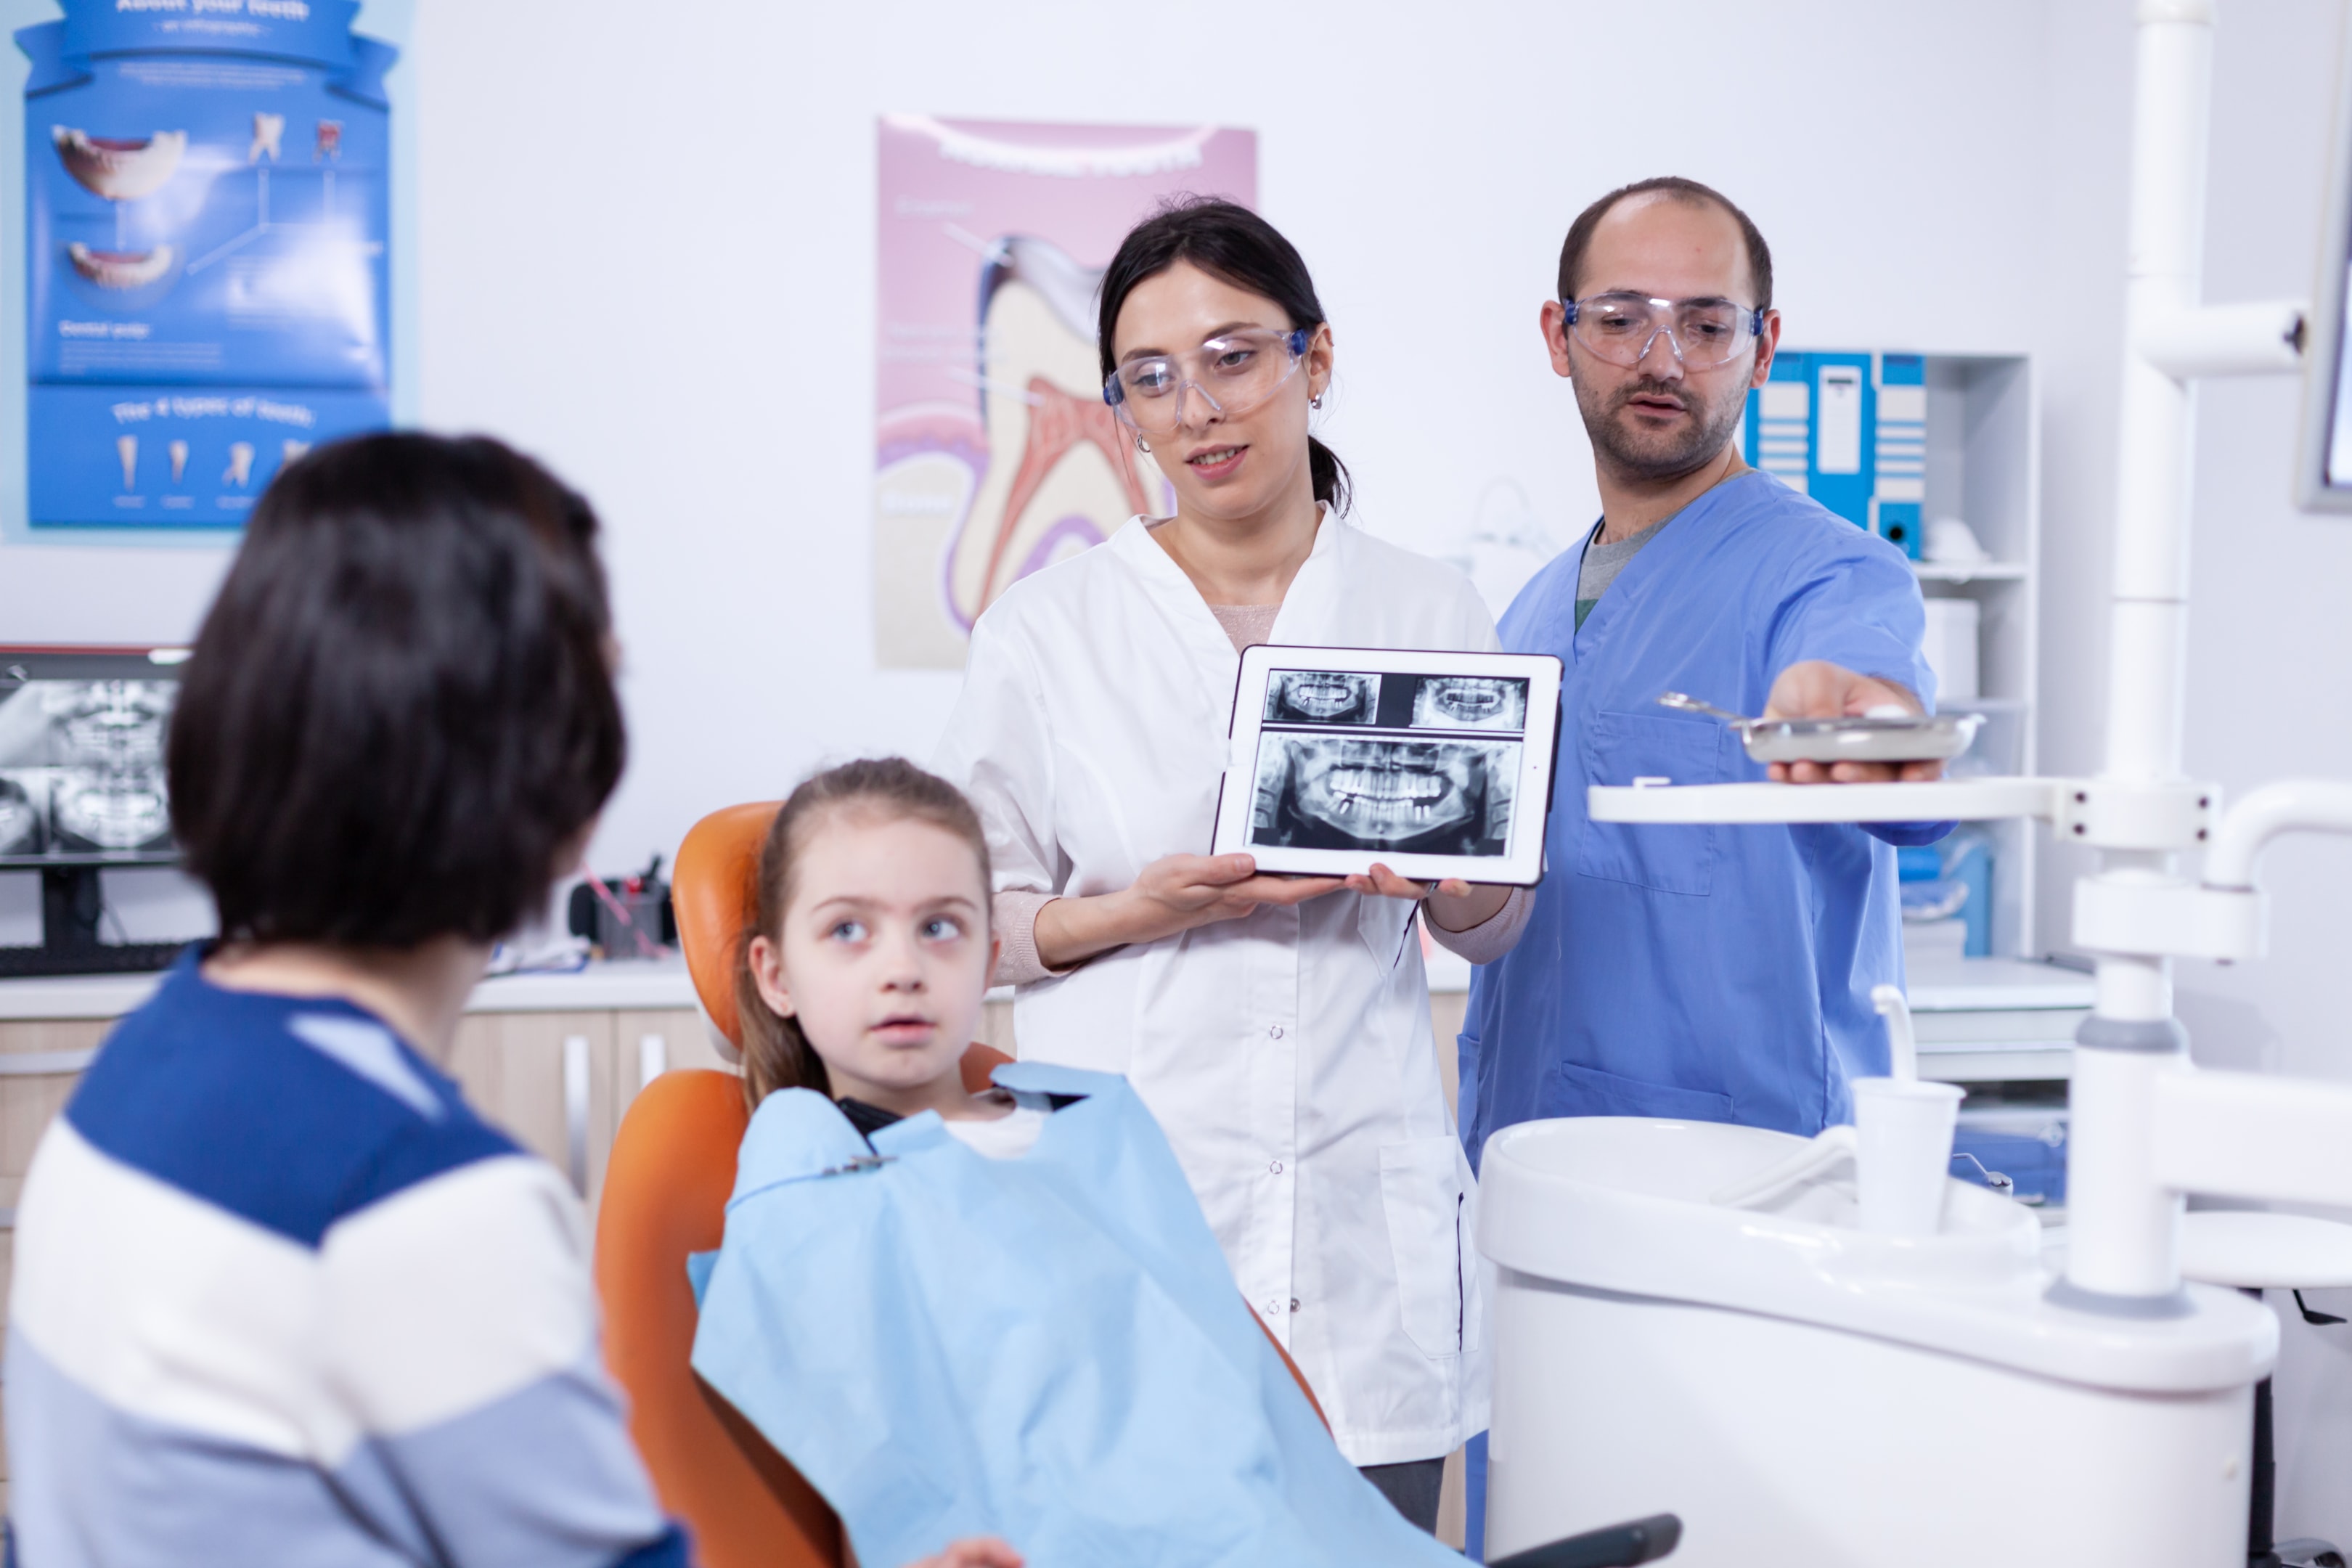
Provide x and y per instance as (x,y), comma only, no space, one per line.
(1984,467)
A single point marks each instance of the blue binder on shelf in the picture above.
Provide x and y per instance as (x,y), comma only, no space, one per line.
(1849,430)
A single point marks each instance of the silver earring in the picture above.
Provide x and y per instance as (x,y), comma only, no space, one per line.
(1142,446)
(1315,401)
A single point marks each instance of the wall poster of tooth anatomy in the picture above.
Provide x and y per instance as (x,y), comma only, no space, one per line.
(1433,764)
(208,215)
(995,454)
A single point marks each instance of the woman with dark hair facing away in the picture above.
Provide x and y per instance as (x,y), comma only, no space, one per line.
(280,1296)
(1278,1028)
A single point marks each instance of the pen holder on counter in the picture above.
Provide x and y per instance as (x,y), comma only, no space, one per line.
(624,917)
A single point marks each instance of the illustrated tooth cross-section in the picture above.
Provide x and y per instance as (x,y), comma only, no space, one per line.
(995,456)
(1062,471)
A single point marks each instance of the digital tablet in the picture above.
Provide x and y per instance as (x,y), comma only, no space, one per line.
(1433,764)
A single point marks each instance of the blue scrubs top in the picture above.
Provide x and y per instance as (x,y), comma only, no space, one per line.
(1714,973)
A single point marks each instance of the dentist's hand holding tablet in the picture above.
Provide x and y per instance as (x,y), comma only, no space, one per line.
(1174,893)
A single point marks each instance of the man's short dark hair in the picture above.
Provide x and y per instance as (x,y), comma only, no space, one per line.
(400,706)
(1677,188)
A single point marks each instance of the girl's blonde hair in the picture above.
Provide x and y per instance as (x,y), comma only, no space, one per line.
(776,1054)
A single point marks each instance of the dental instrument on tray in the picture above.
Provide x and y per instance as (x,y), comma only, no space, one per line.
(1992,1178)
(1888,734)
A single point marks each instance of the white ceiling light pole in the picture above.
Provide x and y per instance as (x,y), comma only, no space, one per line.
(2123,1248)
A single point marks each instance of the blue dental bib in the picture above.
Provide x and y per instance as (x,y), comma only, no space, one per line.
(1049,1349)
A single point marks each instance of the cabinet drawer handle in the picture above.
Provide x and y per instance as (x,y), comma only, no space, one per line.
(575,1110)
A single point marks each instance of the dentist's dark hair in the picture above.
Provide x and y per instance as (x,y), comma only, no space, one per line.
(1232,245)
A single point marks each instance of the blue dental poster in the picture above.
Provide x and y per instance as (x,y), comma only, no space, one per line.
(207,215)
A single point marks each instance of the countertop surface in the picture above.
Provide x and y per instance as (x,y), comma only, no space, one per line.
(650,986)
(1935,986)
(1974,984)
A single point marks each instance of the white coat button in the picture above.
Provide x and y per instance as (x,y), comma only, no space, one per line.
(1276,1167)
(1294,1303)
(1276,1032)
(1272,1308)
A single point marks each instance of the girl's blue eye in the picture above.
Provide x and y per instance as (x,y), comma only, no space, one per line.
(847,931)
(943,928)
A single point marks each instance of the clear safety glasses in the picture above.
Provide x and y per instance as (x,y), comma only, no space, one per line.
(1703,334)
(1231,374)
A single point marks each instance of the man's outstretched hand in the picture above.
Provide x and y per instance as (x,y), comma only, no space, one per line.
(1820,689)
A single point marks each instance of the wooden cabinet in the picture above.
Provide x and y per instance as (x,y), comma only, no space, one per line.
(38,1065)
(546,1079)
(558,1083)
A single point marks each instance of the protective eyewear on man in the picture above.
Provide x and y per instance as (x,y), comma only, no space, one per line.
(1703,334)
(1231,375)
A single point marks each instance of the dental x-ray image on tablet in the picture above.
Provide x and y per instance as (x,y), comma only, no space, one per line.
(1469,702)
(1322,697)
(1432,763)
(1410,797)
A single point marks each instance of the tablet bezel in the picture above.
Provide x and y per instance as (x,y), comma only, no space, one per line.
(1521,867)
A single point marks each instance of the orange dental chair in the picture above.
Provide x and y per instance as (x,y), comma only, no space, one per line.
(666,1188)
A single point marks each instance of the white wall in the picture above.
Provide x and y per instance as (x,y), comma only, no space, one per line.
(2271,644)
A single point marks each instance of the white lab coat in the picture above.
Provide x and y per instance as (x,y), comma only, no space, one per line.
(1288,1053)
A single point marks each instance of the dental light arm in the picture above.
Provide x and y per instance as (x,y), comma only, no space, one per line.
(2252,1135)
(2311,805)
(2223,339)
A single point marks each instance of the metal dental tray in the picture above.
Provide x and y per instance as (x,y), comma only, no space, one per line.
(1885,738)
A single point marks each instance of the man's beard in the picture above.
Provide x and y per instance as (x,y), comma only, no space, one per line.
(1666,455)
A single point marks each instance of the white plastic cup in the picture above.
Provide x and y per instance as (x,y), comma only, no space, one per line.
(1903,1153)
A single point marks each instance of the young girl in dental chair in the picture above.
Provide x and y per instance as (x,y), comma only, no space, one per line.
(1000,1313)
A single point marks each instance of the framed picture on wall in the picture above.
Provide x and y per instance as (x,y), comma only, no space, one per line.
(995,455)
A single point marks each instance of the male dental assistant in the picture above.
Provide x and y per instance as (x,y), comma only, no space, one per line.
(1716,973)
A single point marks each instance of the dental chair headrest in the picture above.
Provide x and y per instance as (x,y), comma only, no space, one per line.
(713,888)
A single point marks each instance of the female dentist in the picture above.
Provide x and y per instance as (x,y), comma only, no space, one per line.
(1277,1027)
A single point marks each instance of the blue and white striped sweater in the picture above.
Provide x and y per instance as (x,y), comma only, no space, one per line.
(281,1297)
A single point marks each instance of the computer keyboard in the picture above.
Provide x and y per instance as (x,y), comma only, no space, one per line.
(105,958)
